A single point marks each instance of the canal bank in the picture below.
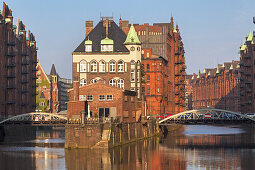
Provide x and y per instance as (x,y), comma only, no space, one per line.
(108,135)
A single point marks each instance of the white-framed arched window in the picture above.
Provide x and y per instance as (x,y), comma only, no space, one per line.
(93,81)
(83,66)
(120,66)
(93,66)
(120,83)
(112,82)
(112,66)
(83,82)
(132,73)
(102,66)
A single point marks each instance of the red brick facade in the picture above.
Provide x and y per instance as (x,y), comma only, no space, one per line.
(18,58)
(103,100)
(217,88)
(164,40)
(154,83)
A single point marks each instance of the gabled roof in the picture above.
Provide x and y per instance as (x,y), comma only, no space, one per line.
(45,75)
(99,33)
(53,70)
(132,37)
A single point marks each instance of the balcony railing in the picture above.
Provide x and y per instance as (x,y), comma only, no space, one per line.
(10,75)
(10,43)
(10,54)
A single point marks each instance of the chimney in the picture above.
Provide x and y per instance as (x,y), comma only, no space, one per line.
(75,91)
(89,27)
(124,26)
(106,26)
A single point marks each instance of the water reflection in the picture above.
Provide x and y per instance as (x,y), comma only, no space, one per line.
(190,148)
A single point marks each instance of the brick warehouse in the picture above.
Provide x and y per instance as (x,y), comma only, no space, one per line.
(51,90)
(154,81)
(18,57)
(217,87)
(165,41)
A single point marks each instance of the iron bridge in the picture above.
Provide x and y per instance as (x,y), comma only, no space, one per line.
(36,118)
(208,116)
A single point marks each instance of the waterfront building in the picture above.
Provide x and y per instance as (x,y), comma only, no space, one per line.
(108,54)
(52,95)
(247,69)
(217,88)
(154,82)
(18,58)
(164,40)
(104,101)
(188,92)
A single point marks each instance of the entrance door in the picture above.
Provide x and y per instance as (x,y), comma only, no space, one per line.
(101,112)
(107,112)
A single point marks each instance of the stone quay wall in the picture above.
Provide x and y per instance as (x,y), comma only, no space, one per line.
(108,135)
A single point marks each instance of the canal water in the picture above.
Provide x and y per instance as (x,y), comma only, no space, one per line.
(192,147)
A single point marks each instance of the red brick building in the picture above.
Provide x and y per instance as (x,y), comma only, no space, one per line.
(188,92)
(51,90)
(164,40)
(154,82)
(217,88)
(247,69)
(18,58)
(104,101)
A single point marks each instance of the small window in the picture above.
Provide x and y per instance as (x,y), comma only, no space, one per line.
(93,81)
(82,97)
(83,66)
(148,67)
(148,55)
(132,75)
(138,48)
(101,66)
(112,66)
(126,98)
(132,99)
(158,90)
(90,98)
(120,83)
(112,82)
(148,78)
(148,90)
(93,66)
(120,66)
(143,89)
(132,89)
(88,48)
(101,97)
(83,82)
(109,97)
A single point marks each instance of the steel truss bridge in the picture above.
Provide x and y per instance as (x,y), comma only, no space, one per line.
(212,116)
(36,119)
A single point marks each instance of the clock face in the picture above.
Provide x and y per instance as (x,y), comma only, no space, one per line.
(132,48)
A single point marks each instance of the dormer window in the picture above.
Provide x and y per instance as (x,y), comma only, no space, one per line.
(88,45)
(107,45)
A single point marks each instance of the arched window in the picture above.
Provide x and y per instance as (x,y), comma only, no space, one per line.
(93,66)
(120,83)
(93,81)
(83,82)
(112,66)
(112,82)
(101,66)
(83,66)
(132,73)
(120,66)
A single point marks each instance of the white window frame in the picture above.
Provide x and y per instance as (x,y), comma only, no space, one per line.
(82,97)
(102,66)
(112,82)
(83,82)
(89,97)
(112,66)
(88,48)
(101,97)
(132,75)
(120,83)
(107,48)
(93,66)
(93,81)
(83,66)
(109,97)
(121,66)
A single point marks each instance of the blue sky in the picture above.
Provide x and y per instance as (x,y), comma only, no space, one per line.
(212,30)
